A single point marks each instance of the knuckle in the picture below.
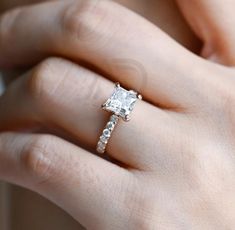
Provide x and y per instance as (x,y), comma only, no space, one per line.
(37,159)
(54,76)
(91,82)
(87,21)
(41,81)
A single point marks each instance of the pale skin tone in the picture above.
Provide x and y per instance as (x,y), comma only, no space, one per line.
(176,163)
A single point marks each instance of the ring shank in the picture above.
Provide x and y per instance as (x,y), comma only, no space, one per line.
(106,134)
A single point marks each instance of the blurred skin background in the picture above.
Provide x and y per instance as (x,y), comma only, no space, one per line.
(21,209)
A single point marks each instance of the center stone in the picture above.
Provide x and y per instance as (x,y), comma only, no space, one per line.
(121,102)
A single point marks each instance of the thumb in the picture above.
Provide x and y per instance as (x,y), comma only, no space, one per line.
(214,22)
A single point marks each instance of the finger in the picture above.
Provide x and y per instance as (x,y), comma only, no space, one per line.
(65,97)
(213,21)
(74,179)
(104,35)
(6,4)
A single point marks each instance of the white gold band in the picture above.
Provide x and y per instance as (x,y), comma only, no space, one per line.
(106,134)
(121,104)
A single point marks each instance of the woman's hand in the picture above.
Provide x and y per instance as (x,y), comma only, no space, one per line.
(176,155)
(8,4)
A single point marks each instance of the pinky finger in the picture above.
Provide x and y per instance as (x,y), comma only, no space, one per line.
(71,177)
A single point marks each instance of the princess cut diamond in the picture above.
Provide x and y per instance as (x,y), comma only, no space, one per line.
(121,102)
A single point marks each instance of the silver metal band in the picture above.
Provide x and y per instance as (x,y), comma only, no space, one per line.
(106,134)
(121,104)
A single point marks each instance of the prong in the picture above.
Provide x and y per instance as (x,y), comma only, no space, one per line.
(139,96)
(133,91)
(127,118)
(117,84)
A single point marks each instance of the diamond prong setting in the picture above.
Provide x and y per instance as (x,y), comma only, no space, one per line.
(121,102)
(127,118)
(117,84)
(139,96)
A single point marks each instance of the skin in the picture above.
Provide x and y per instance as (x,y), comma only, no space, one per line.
(38,209)
(185,159)
(164,14)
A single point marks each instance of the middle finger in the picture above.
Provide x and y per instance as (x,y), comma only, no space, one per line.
(126,47)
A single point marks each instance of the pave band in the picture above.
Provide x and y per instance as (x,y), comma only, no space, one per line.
(106,134)
(120,104)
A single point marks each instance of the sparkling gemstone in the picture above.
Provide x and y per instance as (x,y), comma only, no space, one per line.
(106,133)
(104,139)
(121,102)
(100,150)
(101,145)
(110,125)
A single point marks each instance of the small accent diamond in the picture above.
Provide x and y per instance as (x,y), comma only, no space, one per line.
(101,145)
(106,133)
(104,139)
(110,125)
(99,150)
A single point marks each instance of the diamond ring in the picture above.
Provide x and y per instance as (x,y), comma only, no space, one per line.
(120,104)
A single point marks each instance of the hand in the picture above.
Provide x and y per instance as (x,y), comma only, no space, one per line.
(176,153)
(8,4)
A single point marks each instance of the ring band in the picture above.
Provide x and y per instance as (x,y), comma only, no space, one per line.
(121,104)
(106,134)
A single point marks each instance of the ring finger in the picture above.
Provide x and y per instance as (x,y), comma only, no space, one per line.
(66,97)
